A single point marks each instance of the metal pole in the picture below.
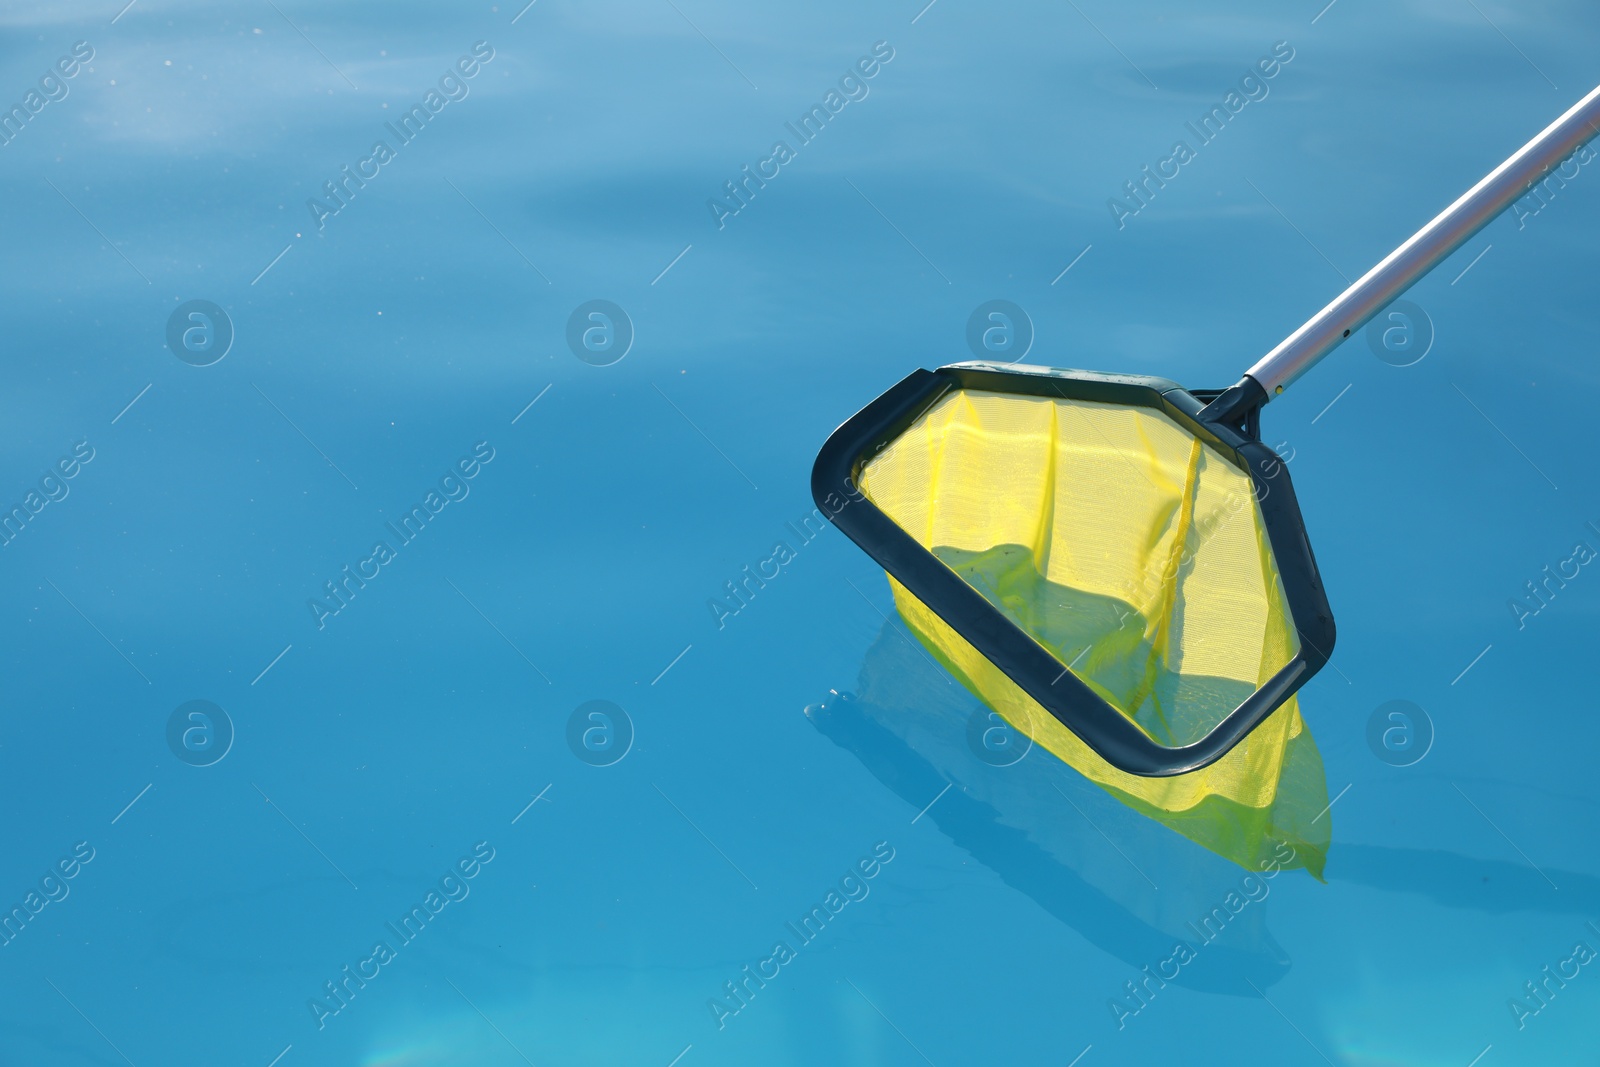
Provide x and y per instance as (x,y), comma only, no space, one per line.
(1427,248)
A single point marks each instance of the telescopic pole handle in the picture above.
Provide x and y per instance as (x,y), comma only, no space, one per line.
(1427,248)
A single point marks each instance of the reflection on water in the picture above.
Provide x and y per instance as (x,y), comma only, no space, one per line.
(1051,835)
(1456,881)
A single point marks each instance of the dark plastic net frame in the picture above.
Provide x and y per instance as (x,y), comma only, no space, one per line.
(835,484)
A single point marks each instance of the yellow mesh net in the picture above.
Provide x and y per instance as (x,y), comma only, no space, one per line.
(1136,555)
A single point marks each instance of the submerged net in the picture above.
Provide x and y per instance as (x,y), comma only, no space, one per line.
(1136,555)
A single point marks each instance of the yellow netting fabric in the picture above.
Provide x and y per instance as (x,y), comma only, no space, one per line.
(1136,555)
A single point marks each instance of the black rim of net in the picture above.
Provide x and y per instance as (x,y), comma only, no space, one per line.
(1105,729)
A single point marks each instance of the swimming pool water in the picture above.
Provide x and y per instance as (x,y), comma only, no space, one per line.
(422,646)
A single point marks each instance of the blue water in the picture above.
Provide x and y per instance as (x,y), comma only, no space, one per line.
(235,856)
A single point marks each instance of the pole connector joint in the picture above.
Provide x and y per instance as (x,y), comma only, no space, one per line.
(1237,407)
